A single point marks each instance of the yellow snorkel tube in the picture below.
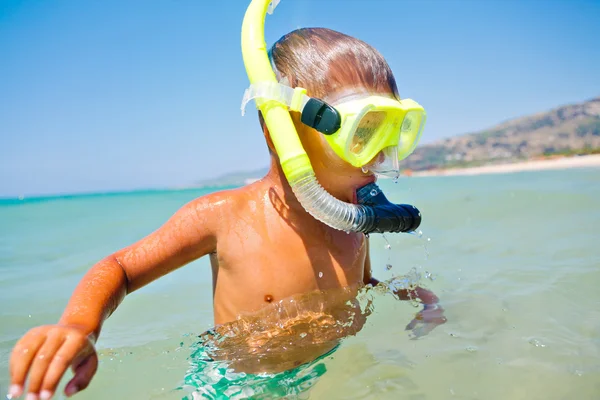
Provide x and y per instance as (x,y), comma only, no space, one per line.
(293,157)
(373,213)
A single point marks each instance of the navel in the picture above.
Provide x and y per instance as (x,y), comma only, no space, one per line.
(268,298)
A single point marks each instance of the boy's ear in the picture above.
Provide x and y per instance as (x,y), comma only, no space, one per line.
(269,141)
(265,130)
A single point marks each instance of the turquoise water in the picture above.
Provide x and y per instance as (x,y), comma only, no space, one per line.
(514,258)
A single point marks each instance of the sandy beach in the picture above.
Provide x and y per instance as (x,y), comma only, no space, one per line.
(534,165)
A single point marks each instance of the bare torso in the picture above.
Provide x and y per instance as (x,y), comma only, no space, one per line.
(302,256)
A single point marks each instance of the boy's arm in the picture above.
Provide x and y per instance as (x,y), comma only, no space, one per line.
(429,317)
(44,353)
(185,237)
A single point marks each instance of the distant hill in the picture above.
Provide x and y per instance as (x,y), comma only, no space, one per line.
(568,130)
(233,179)
(571,129)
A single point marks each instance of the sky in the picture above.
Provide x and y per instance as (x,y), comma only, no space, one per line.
(103,95)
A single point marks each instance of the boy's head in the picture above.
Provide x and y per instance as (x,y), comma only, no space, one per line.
(330,66)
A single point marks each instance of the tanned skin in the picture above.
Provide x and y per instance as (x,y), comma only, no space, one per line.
(263,246)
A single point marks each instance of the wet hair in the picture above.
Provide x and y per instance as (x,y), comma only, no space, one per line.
(326,62)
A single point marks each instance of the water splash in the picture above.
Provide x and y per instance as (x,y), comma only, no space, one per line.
(426,240)
(278,350)
(408,281)
(388,246)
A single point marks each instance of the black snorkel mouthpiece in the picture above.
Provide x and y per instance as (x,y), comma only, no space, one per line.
(383,216)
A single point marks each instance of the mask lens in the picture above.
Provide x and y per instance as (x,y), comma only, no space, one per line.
(366,129)
(412,127)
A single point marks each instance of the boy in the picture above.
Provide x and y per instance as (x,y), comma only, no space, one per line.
(264,247)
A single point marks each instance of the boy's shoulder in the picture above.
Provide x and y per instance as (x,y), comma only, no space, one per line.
(228,199)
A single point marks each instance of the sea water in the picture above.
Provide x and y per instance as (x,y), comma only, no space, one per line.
(515,258)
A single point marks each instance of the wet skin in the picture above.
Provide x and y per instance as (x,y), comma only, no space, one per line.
(264,248)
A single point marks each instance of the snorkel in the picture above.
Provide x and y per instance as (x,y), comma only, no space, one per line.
(373,213)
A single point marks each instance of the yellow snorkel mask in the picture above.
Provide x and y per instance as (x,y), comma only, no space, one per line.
(371,132)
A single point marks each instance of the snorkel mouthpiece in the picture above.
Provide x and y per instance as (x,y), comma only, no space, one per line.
(382,216)
(374,213)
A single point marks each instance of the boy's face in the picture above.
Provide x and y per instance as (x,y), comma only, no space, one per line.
(335,175)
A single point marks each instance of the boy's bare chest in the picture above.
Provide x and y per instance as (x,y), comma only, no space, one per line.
(295,262)
(256,264)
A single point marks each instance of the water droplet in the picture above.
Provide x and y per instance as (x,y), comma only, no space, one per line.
(320,274)
(536,342)
(388,266)
(420,234)
(429,239)
(395,180)
(387,246)
(471,349)
(429,276)
(303,334)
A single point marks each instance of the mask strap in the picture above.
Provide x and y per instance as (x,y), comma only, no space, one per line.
(315,113)
(294,99)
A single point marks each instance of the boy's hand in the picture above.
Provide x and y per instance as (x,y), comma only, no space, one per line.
(426,320)
(45,353)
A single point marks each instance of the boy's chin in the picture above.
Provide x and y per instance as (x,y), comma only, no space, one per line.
(366,180)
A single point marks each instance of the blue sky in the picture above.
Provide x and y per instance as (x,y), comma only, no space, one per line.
(125,94)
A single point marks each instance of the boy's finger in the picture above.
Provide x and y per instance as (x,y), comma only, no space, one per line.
(42,360)
(64,358)
(83,375)
(21,358)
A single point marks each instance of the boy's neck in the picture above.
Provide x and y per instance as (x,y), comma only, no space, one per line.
(278,183)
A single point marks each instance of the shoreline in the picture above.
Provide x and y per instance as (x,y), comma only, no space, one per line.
(587,161)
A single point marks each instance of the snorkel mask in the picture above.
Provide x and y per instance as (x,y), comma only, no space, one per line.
(370,132)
